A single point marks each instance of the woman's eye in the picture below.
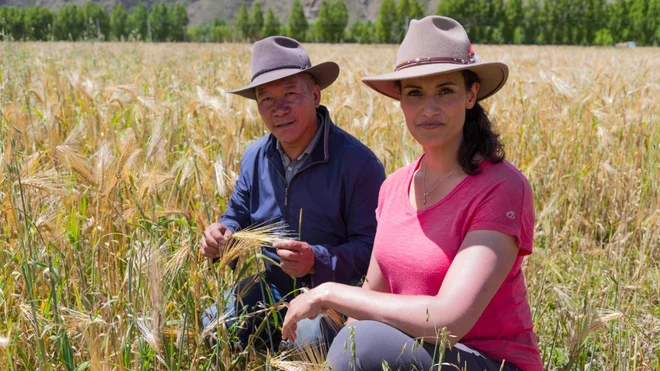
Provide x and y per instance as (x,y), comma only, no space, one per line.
(414,93)
(446,91)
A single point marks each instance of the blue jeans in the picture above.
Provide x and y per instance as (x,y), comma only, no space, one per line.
(267,332)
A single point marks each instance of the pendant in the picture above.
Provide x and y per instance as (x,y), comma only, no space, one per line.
(424,198)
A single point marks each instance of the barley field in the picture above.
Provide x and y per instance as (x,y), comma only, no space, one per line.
(114,157)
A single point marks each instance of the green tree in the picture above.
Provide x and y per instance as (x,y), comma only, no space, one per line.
(603,37)
(256,21)
(97,22)
(638,15)
(361,32)
(416,10)
(331,22)
(298,26)
(618,21)
(532,22)
(272,25)
(243,22)
(387,19)
(118,22)
(70,23)
(654,22)
(137,22)
(595,13)
(199,33)
(514,19)
(481,20)
(461,11)
(548,18)
(159,22)
(321,26)
(178,20)
(12,22)
(221,32)
(216,31)
(401,23)
(496,17)
(39,22)
(339,20)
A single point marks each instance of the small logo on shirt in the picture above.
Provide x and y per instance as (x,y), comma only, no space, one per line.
(511,215)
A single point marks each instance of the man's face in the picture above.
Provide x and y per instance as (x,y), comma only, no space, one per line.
(288,108)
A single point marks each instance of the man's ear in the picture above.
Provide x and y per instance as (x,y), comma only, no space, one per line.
(316,90)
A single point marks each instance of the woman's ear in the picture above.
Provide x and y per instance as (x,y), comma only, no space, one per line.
(471,96)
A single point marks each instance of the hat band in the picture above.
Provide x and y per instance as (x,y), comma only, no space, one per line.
(429,60)
(278,67)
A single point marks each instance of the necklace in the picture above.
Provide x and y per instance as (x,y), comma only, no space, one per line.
(437,184)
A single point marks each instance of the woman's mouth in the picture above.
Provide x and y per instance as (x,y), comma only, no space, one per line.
(430,125)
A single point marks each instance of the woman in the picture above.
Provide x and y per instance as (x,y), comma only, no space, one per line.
(453,228)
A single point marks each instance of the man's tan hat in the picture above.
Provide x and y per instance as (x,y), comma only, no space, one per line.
(277,57)
(437,45)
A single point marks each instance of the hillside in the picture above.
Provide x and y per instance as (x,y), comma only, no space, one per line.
(201,11)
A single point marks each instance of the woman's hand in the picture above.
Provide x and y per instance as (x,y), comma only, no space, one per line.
(307,305)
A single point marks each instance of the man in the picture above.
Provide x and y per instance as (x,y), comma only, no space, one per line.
(305,164)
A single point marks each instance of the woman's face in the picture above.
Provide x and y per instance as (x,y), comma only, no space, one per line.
(434,107)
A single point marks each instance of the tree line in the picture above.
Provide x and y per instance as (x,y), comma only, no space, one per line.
(553,22)
(163,22)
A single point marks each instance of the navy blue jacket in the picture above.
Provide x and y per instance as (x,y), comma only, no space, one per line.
(337,189)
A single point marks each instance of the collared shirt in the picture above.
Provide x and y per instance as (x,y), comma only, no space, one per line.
(292,167)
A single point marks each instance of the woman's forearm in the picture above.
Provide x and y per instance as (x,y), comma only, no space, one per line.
(417,315)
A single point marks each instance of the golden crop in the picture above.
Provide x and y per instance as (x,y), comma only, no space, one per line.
(114,157)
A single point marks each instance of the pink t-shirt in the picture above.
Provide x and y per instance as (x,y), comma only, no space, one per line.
(414,250)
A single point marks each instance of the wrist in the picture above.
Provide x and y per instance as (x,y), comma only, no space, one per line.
(324,294)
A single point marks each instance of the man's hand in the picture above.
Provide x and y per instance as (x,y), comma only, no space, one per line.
(214,240)
(296,257)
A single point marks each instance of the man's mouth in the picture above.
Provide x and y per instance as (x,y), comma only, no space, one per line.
(284,125)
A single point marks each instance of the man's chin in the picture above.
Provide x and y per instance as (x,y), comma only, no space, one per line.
(287,138)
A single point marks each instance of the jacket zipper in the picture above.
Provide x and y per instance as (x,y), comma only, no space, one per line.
(287,184)
(286,187)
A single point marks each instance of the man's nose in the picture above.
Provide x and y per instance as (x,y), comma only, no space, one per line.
(281,108)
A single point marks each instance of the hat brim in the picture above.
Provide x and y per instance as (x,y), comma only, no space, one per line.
(493,76)
(324,74)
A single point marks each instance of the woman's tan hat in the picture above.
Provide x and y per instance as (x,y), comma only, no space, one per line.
(437,45)
(277,57)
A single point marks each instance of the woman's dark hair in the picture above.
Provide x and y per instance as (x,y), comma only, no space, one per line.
(479,140)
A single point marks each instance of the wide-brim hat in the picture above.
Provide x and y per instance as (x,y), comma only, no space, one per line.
(277,57)
(436,45)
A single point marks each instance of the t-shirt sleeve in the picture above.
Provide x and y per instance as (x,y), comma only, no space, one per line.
(508,207)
